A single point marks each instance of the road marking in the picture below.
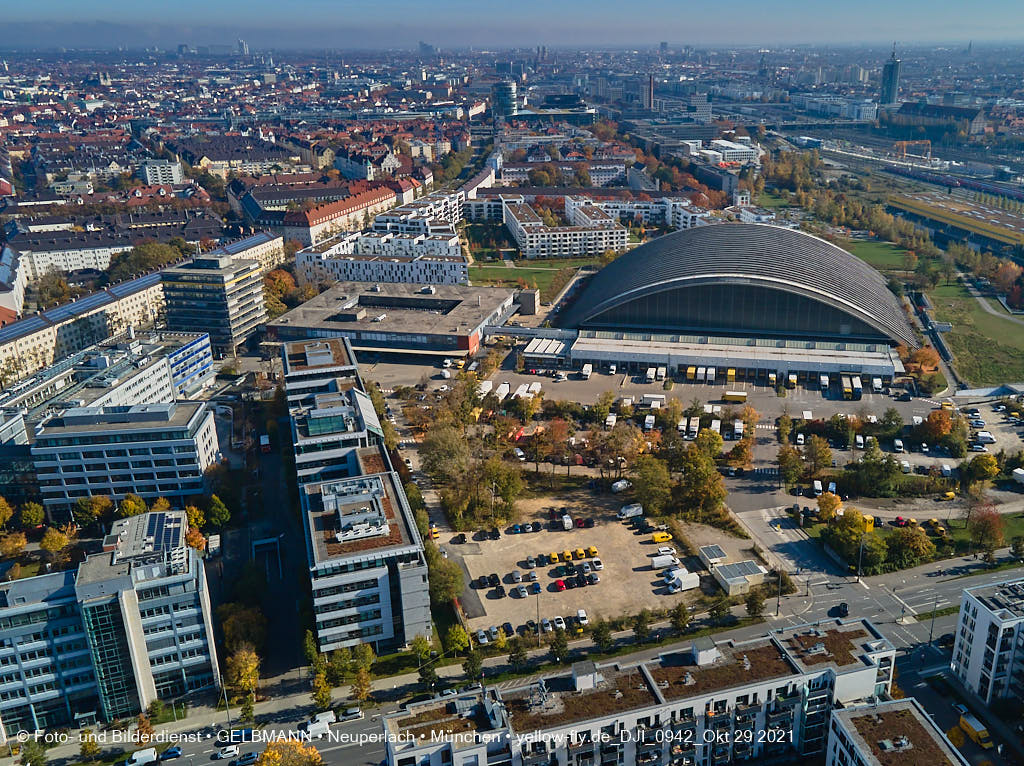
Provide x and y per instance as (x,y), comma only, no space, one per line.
(904,603)
(865,585)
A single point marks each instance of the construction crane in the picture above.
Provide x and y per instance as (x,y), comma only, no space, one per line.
(901,147)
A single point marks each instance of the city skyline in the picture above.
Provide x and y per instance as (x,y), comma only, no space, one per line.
(459,24)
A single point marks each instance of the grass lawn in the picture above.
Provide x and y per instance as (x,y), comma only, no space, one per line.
(883,256)
(771,199)
(988,349)
(549,276)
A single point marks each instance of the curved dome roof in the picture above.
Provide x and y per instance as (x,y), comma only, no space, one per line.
(749,254)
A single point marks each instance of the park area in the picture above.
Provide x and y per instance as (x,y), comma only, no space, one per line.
(548,276)
(884,256)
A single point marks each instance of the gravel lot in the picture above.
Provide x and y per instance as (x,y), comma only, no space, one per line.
(627,584)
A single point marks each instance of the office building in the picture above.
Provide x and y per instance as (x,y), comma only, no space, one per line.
(17,474)
(131,626)
(263,247)
(764,699)
(218,295)
(365,556)
(503,100)
(888,733)
(162,172)
(988,654)
(128,369)
(151,450)
(446,320)
(890,93)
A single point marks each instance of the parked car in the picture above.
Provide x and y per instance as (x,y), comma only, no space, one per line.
(246,760)
(597,564)
(532,576)
(527,527)
(559,623)
(588,522)
(844,609)
(559,585)
(482,638)
(171,753)
(535,588)
(493,580)
(593,579)
(517,576)
(460,538)
(500,591)
(546,626)
(580,523)
(520,591)
(531,562)
(228,751)
(350,714)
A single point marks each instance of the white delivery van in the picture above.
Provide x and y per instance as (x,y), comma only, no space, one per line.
(629,511)
(141,757)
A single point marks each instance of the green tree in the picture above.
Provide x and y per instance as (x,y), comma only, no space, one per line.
(828,505)
(12,544)
(322,696)
(652,484)
(817,454)
(602,636)
(310,650)
(908,547)
(1017,547)
(420,646)
(428,677)
(363,656)
(32,753)
(791,464)
(680,618)
(445,453)
(246,710)
(88,510)
(719,610)
(456,639)
(755,603)
(642,626)
(986,529)
(785,428)
(983,467)
(709,443)
(31,515)
(701,491)
(444,576)
(473,665)
(517,656)
(559,646)
(339,666)
(217,514)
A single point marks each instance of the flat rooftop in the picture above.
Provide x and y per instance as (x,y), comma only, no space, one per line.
(456,719)
(897,734)
(842,645)
(739,665)
(1004,599)
(139,417)
(357,307)
(617,691)
(365,508)
(957,210)
(312,355)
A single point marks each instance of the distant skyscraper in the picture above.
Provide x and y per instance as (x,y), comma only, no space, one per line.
(503,100)
(891,79)
(648,93)
(243,48)
(426,49)
(663,48)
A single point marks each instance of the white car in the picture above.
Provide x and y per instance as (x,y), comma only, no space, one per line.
(596,563)
(559,623)
(545,625)
(581,617)
(482,638)
(666,550)
(800,439)
(979,448)
(228,751)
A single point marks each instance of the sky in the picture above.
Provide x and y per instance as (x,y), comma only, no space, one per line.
(508,23)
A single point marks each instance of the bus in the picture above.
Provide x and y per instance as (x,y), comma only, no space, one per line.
(734,396)
(847,387)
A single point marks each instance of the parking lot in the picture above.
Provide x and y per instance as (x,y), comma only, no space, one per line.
(626,584)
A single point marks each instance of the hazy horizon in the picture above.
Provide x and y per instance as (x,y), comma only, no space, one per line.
(322,24)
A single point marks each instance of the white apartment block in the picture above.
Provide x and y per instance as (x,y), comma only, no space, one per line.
(161,172)
(591,231)
(13,280)
(602,172)
(386,257)
(761,700)
(30,344)
(152,450)
(988,654)
(733,151)
(888,732)
(437,213)
(93,251)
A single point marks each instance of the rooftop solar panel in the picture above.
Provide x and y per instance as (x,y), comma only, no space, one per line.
(81,306)
(23,327)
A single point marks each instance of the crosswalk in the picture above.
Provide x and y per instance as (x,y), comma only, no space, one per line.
(765,427)
(765,471)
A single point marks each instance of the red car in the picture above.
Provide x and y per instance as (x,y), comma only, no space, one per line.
(900,521)
(559,585)
(580,523)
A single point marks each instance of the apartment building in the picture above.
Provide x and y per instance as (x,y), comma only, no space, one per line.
(591,231)
(988,654)
(154,172)
(765,699)
(600,172)
(152,450)
(735,151)
(437,213)
(131,626)
(265,248)
(369,163)
(216,294)
(386,257)
(889,732)
(365,556)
